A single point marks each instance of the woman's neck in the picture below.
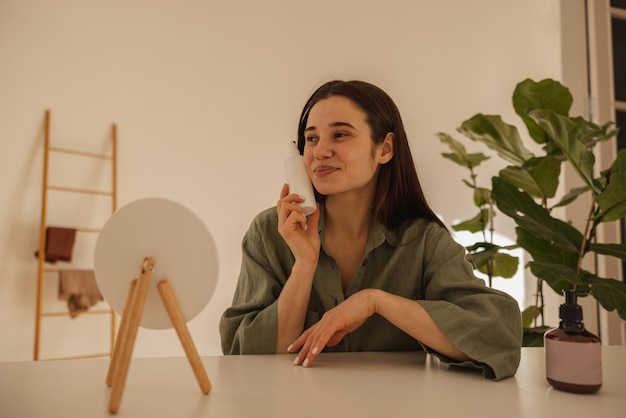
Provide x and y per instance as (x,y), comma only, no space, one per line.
(348,214)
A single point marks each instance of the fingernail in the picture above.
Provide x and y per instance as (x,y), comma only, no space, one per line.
(296,361)
(306,363)
(315,350)
(289,348)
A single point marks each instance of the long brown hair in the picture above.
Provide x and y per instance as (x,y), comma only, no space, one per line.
(399,196)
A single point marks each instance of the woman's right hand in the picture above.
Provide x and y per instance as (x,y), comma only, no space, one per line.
(301,236)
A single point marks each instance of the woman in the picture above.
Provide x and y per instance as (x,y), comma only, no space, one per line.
(373,268)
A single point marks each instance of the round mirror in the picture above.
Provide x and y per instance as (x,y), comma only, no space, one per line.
(181,245)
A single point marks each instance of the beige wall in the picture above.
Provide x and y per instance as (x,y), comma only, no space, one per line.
(205,93)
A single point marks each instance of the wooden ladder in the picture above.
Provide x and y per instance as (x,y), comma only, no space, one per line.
(43,268)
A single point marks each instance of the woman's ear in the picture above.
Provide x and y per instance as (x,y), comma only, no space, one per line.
(386,149)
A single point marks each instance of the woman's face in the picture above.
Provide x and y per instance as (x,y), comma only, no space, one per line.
(339,153)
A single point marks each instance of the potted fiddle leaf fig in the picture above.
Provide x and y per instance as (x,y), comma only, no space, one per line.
(527,189)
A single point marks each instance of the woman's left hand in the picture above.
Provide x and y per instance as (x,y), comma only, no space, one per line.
(334,325)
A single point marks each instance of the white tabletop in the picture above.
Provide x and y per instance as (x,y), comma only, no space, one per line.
(338,385)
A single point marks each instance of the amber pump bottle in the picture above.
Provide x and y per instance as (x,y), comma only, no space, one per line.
(573,355)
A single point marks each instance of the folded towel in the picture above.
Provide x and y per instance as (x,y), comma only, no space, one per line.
(79,289)
(59,244)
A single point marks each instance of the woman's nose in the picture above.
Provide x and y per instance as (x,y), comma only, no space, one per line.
(323,149)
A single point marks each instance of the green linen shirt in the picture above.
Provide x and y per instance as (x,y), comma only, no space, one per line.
(419,261)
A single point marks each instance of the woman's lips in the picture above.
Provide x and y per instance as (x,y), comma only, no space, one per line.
(324,170)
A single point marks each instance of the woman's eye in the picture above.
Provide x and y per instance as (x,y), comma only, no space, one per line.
(310,138)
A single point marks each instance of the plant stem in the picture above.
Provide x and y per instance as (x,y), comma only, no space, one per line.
(537,293)
(484,227)
(490,266)
(543,322)
(586,234)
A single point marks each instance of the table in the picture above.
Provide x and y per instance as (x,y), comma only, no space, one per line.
(400,384)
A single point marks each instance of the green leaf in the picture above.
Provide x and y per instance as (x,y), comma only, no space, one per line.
(566,135)
(531,216)
(545,94)
(476,224)
(482,196)
(472,160)
(504,265)
(533,337)
(615,250)
(480,253)
(550,264)
(591,133)
(553,273)
(541,250)
(529,315)
(559,277)
(459,154)
(539,177)
(571,196)
(497,135)
(612,201)
(610,293)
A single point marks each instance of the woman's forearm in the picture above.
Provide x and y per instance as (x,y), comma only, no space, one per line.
(292,305)
(412,318)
